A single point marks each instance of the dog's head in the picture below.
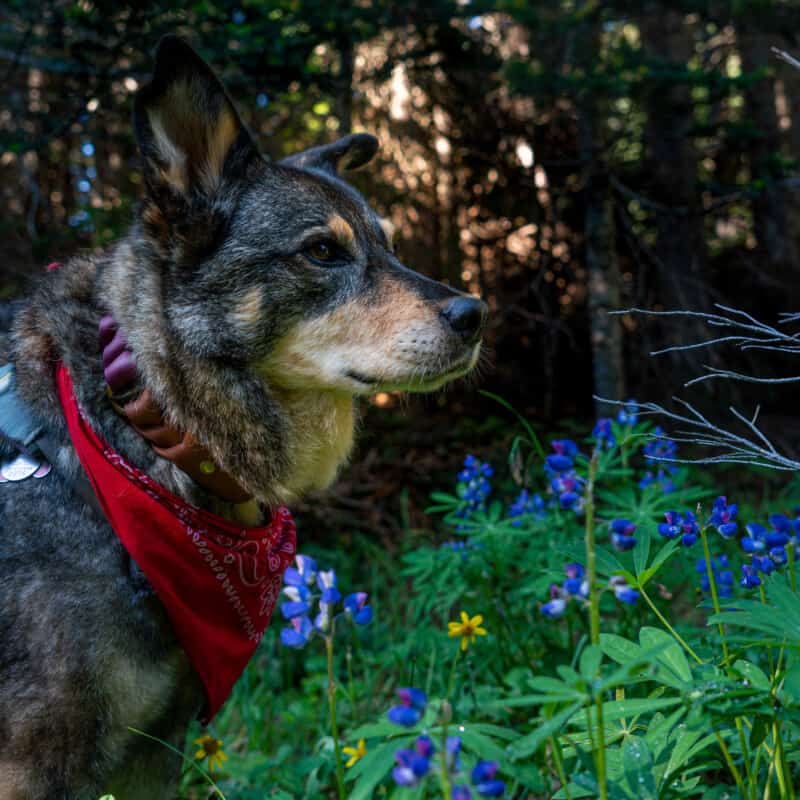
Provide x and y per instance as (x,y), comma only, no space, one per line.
(283,267)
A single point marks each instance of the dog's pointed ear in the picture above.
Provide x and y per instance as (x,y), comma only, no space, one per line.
(349,152)
(188,130)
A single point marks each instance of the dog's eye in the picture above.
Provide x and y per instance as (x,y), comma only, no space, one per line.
(324,252)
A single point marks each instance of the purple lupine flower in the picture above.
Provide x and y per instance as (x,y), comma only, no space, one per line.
(484,779)
(603,433)
(723,517)
(621,534)
(297,594)
(461,792)
(424,746)
(412,705)
(355,606)
(298,632)
(749,576)
(629,413)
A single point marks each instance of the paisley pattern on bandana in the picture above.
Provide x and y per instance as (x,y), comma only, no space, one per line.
(219,582)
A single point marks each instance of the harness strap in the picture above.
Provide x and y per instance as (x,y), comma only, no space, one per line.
(26,433)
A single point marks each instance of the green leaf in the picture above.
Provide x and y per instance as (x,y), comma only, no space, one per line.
(372,769)
(753,674)
(663,554)
(638,767)
(671,656)
(619,649)
(529,744)
(640,554)
(590,661)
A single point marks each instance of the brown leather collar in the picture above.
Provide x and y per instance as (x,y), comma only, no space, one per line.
(146,418)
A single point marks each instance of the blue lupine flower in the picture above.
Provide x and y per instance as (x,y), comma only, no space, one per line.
(461,792)
(756,539)
(603,433)
(565,447)
(294,609)
(629,413)
(305,574)
(566,486)
(763,564)
(474,486)
(662,478)
(750,577)
(526,504)
(355,605)
(411,767)
(683,525)
(297,594)
(723,517)
(484,780)
(452,753)
(558,463)
(412,705)
(554,608)
(323,620)
(326,581)
(424,746)
(622,590)
(659,447)
(723,577)
(621,533)
(575,584)
(298,632)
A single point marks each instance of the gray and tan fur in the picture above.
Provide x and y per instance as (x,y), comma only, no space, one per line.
(258,299)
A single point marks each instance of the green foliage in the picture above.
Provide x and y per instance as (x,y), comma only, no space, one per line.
(683,702)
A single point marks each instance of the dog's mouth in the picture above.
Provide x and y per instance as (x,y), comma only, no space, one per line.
(425,380)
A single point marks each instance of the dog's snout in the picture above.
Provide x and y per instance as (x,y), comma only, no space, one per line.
(466,316)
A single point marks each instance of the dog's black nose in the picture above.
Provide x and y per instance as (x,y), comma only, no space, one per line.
(466,316)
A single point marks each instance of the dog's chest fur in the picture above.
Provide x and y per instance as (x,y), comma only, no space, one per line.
(320,435)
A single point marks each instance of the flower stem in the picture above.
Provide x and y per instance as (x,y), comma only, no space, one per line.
(444,773)
(452,679)
(712,582)
(662,619)
(332,709)
(714,596)
(594,618)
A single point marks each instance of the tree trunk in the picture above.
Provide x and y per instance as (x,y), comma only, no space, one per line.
(770,218)
(601,257)
(672,162)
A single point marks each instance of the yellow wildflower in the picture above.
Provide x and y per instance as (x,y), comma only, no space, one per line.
(356,753)
(210,748)
(467,629)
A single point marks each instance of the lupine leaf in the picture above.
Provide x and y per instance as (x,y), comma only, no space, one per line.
(529,744)
(672,656)
(638,767)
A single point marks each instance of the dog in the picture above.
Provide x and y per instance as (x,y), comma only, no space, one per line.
(258,299)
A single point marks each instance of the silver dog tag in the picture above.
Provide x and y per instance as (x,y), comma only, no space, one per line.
(19,468)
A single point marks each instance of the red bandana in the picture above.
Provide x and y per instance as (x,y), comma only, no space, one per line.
(218,581)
